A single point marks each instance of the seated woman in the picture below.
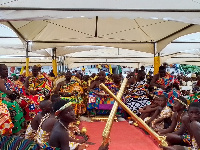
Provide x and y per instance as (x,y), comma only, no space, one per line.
(137,97)
(167,84)
(45,128)
(162,113)
(180,105)
(7,99)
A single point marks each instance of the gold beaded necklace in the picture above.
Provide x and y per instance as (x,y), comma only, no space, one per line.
(63,125)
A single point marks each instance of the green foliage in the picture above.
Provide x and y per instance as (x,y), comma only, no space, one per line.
(186,69)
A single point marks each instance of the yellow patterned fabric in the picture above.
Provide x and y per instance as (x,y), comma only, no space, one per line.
(6,124)
(42,137)
(30,133)
(73,145)
(194,145)
(165,113)
(76,100)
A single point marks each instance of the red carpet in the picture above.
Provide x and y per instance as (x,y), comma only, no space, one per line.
(123,136)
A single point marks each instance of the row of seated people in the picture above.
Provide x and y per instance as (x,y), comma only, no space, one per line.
(179,123)
(96,101)
(52,129)
(56,129)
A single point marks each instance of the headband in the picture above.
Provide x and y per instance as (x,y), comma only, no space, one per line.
(180,102)
(62,108)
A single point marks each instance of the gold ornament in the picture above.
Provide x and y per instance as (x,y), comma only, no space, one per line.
(84,130)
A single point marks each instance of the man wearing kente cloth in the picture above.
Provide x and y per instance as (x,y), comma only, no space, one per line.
(99,102)
(19,86)
(36,87)
(70,89)
(166,84)
(49,79)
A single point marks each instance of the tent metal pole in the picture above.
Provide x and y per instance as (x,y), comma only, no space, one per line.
(27,59)
(156,60)
(64,66)
(54,63)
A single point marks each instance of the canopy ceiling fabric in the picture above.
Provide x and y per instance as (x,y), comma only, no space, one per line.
(126,58)
(15,61)
(135,34)
(77,55)
(179,10)
(67,25)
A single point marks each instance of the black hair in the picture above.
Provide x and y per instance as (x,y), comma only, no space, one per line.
(142,67)
(163,96)
(162,68)
(54,96)
(194,104)
(182,99)
(43,103)
(47,96)
(1,65)
(35,66)
(58,105)
(141,71)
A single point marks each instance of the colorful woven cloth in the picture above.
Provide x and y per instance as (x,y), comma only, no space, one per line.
(77,101)
(138,98)
(102,104)
(194,98)
(48,147)
(170,93)
(17,143)
(31,106)
(16,113)
(166,81)
(40,84)
(30,103)
(6,124)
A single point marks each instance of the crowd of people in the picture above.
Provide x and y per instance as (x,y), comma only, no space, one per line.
(41,110)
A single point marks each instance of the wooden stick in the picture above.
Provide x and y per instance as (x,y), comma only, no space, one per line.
(109,123)
(160,139)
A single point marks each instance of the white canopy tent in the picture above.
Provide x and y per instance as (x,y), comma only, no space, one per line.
(137,34)
(86,55)
(178,10)
(125,58)
(12,50)
(65,24)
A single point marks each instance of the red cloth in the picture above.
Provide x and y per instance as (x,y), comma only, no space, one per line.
(123,136)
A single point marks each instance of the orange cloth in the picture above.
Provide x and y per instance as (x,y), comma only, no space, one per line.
(6,124)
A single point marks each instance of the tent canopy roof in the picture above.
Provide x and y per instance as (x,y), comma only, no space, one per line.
(135,34)
(178,10)
(132,25)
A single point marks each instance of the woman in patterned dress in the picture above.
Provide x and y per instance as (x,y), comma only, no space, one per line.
(138,94)
(7,89)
